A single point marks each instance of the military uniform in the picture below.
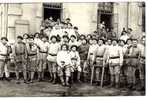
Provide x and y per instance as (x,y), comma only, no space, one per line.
(142,66)
(99,58)
(132,65)
(42,59)
(4,60)
(20,56)
(52,56)
(115,60)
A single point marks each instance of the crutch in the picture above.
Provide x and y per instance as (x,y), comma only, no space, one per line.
(92,74)
(102,76)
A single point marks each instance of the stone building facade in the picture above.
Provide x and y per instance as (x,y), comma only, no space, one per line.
(19,18)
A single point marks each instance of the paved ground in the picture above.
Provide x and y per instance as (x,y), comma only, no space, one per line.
(11,89)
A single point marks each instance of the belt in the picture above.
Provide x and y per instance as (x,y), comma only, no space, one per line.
(91,53)
(114,57)
(52,54)
(20,54)
(142,57)
(42,52)
(133,57)
(32,54)
(3,54)
(100,56)
(73,58)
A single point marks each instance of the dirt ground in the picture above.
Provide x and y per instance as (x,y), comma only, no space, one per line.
(40,89)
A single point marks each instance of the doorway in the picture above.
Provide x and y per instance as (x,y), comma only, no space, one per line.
(107,18)
(52,10)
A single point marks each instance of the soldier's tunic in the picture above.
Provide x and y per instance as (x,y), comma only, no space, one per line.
(52,56)
(99,53)
(3,56)
(64,62)
(132,64)
(32,57)
(75,61)
(83,51)
(42,56)
(91,52)
(20,56)
(142,62)
(115,59)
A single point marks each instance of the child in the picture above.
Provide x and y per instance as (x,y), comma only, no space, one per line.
(75,60)
(64,62)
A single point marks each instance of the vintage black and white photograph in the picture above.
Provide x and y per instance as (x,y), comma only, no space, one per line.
(70,49)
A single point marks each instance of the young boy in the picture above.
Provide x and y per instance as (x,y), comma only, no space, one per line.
(75,60)
(20,58)
(52,55)
(64,64)
(43,50)
(32,57)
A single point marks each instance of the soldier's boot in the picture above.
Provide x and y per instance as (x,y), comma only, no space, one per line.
(142,85)
(54,78)
(32,77)
(112,83)
(51,77)
(117,80)
(78,77)
(39,77)
(67,80)
(72,78)
(17,78)
(25,77)
(42,75)
(62,80)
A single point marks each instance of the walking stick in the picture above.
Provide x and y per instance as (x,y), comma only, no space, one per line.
(102,76)
(92,74)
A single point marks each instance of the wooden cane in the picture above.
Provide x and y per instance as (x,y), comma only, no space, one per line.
(102,76)
(92,74)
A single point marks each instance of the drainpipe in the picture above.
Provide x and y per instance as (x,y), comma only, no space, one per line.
(127,14)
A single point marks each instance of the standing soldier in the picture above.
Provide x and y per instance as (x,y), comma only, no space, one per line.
(83,51)
(43,50)
(20,56)
(133,63)
(91,56)
(115,60)
(52,55)
(4,58)
(32,57)
(99,55)
(142,64)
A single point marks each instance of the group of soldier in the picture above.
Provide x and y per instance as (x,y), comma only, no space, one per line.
(68,55)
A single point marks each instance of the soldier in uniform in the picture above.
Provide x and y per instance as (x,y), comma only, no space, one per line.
(64,64)
(32,57)
(72,41)
(99,56)
(4,58)
(83,51)
(20,56)
(42,57)
(53,49)
(75,61)
(133,53)
(115,60)
(142,64)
